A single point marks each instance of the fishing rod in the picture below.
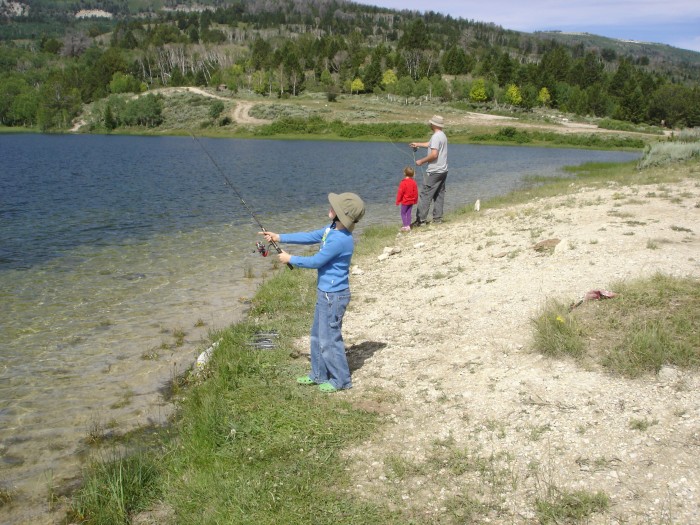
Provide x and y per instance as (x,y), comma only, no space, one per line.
(260,247)
(425,178)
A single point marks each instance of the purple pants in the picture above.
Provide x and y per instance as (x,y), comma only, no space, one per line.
(406,214)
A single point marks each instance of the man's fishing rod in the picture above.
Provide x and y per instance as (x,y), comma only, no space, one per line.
(260,247)
(425,178)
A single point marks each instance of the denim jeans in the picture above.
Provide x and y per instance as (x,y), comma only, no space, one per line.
(328,361)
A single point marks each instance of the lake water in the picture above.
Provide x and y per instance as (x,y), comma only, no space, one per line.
(111,245)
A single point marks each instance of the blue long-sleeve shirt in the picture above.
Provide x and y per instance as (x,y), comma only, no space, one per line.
(332,259)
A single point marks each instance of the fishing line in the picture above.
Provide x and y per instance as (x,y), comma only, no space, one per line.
(425,178)
(240,197)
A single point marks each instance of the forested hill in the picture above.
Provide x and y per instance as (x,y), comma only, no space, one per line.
(87,50)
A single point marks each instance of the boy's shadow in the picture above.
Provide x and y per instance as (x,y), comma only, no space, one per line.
(359,353)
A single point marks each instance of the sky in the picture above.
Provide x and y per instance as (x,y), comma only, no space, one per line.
(672,22)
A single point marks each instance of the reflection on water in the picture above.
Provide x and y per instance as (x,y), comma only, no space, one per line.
(112,245)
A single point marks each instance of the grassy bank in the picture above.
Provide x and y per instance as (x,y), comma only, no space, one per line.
(250,446)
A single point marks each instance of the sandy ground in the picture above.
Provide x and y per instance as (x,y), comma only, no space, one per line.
(438,338)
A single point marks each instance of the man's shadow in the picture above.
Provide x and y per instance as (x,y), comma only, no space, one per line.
(359,353)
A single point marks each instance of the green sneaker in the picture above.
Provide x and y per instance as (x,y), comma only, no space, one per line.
(305,380)
(327,388)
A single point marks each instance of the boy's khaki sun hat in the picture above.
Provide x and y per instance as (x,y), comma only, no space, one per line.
(348,207)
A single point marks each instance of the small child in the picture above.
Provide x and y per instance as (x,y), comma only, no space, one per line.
(407,196)
(329,365)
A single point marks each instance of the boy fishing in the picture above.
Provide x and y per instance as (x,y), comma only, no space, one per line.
(329,365)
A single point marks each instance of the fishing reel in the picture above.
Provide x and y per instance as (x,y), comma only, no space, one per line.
(261,248)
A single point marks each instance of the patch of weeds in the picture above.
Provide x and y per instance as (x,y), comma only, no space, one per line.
(179,336)
(635,223)
(681,229)
(628,234)
(593,241)
(439,275)
(537,432)
(125,400)
(652,245)
(635,201)
(496,427)
(620,214)
(150,355)
(652,322)
(117,488)
(598,464)
(463,508)
(6,496)
(199,323)
(96,432)
(557,333)
(642,424)
(565,506)
(400,468)
(536,233)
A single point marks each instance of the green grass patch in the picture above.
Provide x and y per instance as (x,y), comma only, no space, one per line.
(570,507)
(248,445)
(513,135)
(651,323)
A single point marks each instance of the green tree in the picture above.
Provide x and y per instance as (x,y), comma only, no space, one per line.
(586,71)
(124,83)
(326,78)
(146,110)
(405,87)
(415,36)
(673,105)
(513,95)
(478,93)
(10,87)
(372,75)
(109,120)
(544,98)
(233,77)
(59,104)
(505,69)
(389,79)
(357,86)
(455,62)
(216,108)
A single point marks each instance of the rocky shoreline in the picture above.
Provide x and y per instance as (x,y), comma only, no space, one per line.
(438,335)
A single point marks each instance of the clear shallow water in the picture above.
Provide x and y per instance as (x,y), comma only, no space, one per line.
(108,244)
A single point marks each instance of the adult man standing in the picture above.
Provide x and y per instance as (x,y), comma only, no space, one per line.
(433,189)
